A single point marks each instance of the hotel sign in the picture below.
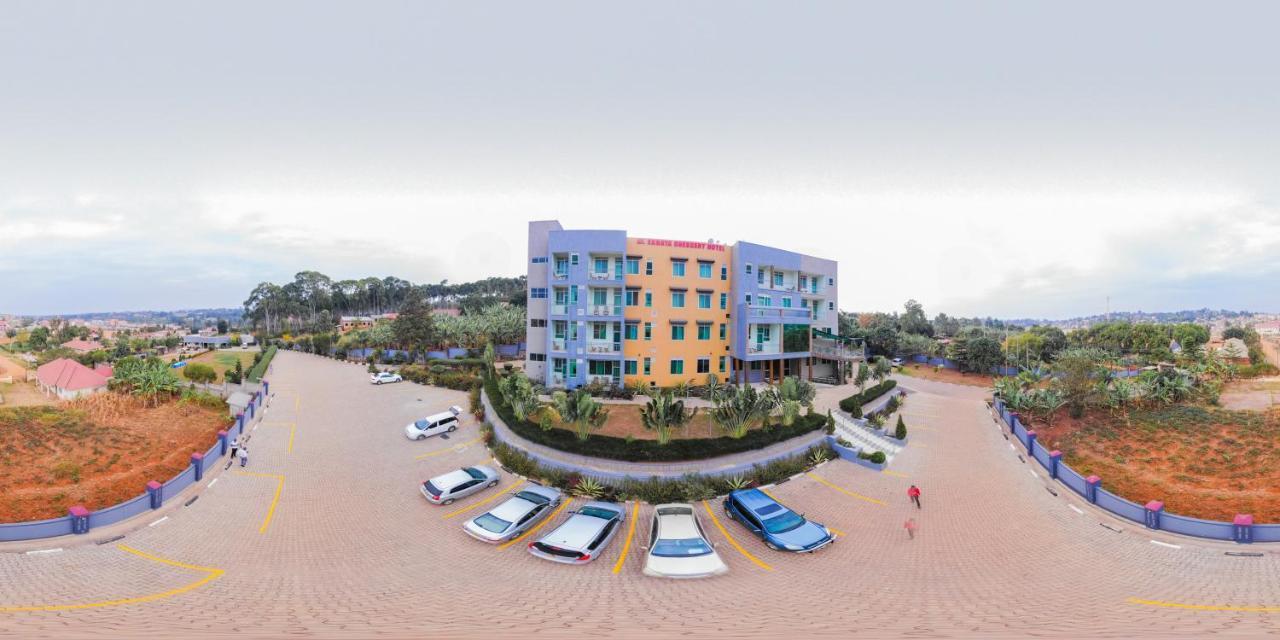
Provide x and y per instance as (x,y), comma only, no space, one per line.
(683,244)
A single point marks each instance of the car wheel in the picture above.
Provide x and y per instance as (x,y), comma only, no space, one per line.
(493,484)
(452,429)
(449,501)
(420,438)
(728,513)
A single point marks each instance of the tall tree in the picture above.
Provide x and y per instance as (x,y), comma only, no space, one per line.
(414,328)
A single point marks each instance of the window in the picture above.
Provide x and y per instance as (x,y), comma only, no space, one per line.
(599,331)
(629,367)
(777,279)
(633,297)
(539,260)
(677,332)
(704,300)
(831,306)
(600,297)
(633,266)
(723,328)
(704,332)
(704,270)
(764,301)
(557,365)
(538,292)
(677,299)
(573,295)
(748,298)
(724,273)
(573,259)
(677,367)
(648,331)
(760,277)
(648,268)
(648,362)
(537,357)
(632,331)
(748,268)
(763,333)
(831,282)
(559,329)
(602,265)
(562,296)
(804,282)
(724,300)
(721,364)
(600,367)
(537,322)
(704,365)
(677,268)
(562,267)
(786,302)
(648,298)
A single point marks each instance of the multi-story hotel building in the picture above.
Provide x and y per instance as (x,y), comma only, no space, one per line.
(608,307)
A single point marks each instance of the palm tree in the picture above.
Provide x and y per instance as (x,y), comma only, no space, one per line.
(793,395)
(664,413)
(580,410)
(738,407)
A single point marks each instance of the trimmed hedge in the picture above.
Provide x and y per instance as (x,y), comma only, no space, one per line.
(648,450)
(260,369)
(858,399)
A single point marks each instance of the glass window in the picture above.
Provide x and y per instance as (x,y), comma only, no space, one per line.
(540,260)
(600,297)
(704,365)
(559,329)
(632,331)
(721,364)
(599,331)
(677,299)
(633,266)
(629,368)
(633,297)
(786,302)
(724,273)
(602,265)
(704,300)
(537,322)
(704,269)
(760,277)
(648,298)
(777,279)
(831,282)
(648,268)
(573,259)
(748,298)
(647,365)
(704,332)
(648,331)
(748,268)
(831,306)
(677,332)
(538,292)
(724,300)
(677,268)
(765,301)
(722,330)
(677,367)
(537,357)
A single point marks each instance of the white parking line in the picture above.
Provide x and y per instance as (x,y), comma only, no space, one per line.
(1033,474)
(40,551)
(1011,447)
(1075,508)
(158,521)
(213,482)
(1166,544)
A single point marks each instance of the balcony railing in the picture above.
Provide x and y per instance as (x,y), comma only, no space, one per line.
(560,275)
(774,314)
(560,309)
(603,346)
(837,352)
(558,344)
(604,310)
(757,348)
(605,380)
(557,379)
(597,275)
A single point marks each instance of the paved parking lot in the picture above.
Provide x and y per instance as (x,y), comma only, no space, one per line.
(328,535)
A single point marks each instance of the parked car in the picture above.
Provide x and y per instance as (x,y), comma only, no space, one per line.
(514,516)
(382,377)
(897,362)
(459,484)
(678,547)
(781,528)
(444,422)
(584,536)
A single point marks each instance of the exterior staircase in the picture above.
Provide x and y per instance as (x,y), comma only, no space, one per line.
(864,438)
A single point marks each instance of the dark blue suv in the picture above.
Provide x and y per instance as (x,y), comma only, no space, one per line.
(781,528)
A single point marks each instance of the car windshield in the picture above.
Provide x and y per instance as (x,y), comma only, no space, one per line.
(421,424)
(783,523)
(490,522)
(681,548)
(535,498)
(475,473)
(597,512)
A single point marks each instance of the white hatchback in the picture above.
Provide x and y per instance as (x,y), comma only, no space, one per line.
(678,547)
(445,422)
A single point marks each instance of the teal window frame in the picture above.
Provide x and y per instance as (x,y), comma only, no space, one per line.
(677,299)
(704,332)
(677,332)
(677,367)
(704,270)
(677,268)
(704,301)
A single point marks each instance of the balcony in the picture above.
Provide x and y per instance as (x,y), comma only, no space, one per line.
(559,309)
(560,275)
(604,380)
(837,352)
(604,310)
(557,379)
(759,314)
(764,348)
(603,347)
(558,344)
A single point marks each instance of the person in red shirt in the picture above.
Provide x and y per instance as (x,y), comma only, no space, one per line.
(913,494)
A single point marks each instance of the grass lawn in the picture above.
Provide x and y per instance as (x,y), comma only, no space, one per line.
(1203,462)
(222,360)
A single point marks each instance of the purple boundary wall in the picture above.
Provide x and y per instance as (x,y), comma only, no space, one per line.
(1242,531)
(54,527)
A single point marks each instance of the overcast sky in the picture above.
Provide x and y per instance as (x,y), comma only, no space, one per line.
(1015,159)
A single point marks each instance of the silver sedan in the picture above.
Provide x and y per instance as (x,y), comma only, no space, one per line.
(514,516)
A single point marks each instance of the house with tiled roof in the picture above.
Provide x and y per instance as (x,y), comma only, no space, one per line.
(82,346)
(69,379)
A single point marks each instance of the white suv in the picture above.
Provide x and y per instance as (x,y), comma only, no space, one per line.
(446,422)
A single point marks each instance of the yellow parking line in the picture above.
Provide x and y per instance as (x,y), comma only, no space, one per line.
(631,532)
(271,511)
(454,449)
(212,574)
(725,533)
(844,490)
(1203,607)
(458,512)
(537,526)
(895,474)
(293,429)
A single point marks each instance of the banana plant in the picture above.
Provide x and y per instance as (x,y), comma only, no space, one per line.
(664,414)
(580,410)
(738,408)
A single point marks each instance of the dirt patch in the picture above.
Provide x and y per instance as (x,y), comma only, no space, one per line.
(925,372)
(1258,394)
(1202,462)
(96,451)
(24,394)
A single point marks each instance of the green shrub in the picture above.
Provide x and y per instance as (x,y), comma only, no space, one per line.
(877,457)
(854,402)
(199,372)
(900,432)
(67,470)
(260,369)
(647,450)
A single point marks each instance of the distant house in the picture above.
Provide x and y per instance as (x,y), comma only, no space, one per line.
(69,379)
(82,346)
(1235,349)
(351,323)
(208,342)
(1268,328)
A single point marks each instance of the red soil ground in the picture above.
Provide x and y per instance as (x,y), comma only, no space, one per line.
(946,375)
(97,451)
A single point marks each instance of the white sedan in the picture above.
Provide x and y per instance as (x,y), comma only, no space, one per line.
(384,377)
(678,547)
(514,516)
